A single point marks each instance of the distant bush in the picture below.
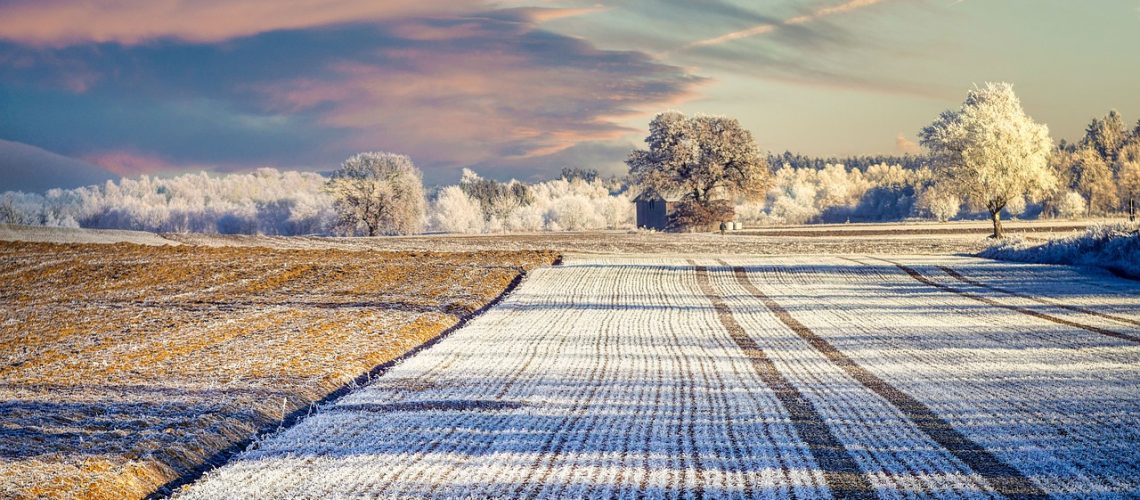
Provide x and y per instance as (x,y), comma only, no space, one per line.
(941,204)
(838,194)
(455,212)
(556,205)
(1115,247)
(264,201)
(1070,204)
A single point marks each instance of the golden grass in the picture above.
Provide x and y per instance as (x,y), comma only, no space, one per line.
(124,366)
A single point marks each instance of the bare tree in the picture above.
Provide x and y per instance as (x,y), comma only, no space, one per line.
(990,152)
(378,193)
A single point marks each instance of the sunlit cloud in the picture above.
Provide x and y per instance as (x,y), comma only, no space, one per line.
(129,163)
(905,145)
(465,101)
(449,90)
(765,28)
(64,22)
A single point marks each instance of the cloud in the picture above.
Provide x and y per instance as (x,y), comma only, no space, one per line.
(769,27)
(492,90)
(450,90)
(128,163)
(904,145)
(65,22)
(808,49)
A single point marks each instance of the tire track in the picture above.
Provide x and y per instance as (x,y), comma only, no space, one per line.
(1050,421)
(692,402)
(843,476)
(735,444)
(914,273)
(1002,477)
(960,277)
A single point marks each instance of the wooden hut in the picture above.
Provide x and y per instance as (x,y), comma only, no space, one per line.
(652,210)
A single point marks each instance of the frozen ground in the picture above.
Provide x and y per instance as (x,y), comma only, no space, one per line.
(124,368)
(42,234)
(883,238)
(796,376)
(887,238)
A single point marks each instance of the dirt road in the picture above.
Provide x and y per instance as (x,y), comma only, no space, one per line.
(767,377)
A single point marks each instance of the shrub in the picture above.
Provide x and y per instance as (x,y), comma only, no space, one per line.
(697,216)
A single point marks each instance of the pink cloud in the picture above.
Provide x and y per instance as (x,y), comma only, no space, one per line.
(471,104)
(129,163)
(64,22)
(905,145)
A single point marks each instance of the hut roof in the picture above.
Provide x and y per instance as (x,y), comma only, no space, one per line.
(650,194)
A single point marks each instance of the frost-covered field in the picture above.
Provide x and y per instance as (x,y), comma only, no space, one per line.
(788,376)
(884,238)
(47,234)
(125,367)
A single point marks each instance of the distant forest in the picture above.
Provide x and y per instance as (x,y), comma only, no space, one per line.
(861,163)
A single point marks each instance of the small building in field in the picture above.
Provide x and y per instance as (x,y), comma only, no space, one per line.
(653,210)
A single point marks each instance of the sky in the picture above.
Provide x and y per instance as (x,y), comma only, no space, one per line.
(521,88)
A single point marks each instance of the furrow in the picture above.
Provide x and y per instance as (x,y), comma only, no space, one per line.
(1003,478)
(843,476)
(913,273)
(960,277)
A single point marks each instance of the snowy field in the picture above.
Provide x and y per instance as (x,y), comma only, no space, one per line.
(882,238)
(45,234)
(913,238)
(794,376)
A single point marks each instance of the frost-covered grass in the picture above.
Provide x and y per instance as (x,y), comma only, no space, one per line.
(1115,247)
(125,366)
(645,377)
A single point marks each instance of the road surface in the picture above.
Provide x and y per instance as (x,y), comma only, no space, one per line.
(802,377)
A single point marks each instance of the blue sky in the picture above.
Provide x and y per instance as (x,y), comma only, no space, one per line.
(522,89)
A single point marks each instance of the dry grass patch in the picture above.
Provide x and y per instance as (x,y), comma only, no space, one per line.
(124,367)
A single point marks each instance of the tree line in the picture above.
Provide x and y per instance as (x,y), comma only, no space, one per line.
(985,156)
(988,155)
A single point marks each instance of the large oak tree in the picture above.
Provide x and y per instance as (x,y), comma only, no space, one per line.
(700,158)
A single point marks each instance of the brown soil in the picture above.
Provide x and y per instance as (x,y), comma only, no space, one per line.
(125,367)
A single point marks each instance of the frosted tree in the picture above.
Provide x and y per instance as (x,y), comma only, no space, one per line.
(1106,135)
(378,193)
(1128,176)
(1070,205)
(1093,179)
(264,201)
(496,199)
(456,212)
(940,203)
(701,158)
(989,151)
